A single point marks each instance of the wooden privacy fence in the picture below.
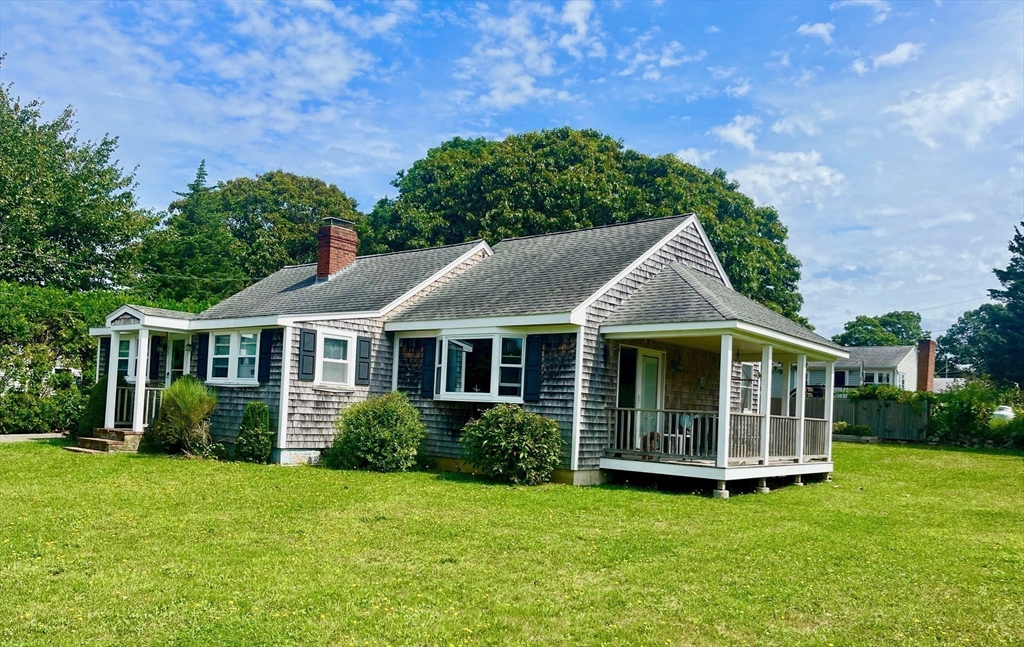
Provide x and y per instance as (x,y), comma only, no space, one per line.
(889,420)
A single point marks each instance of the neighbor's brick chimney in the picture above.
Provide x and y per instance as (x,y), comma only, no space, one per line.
(337,247)
(926,365)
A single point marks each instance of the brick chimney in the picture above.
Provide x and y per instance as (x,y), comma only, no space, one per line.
(338,243)
(926,365)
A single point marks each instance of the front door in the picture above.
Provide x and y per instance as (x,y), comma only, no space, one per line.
(648,396)
(175,358)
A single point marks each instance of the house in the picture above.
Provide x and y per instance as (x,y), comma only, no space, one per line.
(630,336)
(906,367)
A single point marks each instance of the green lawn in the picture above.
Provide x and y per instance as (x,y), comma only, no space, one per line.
(908,546)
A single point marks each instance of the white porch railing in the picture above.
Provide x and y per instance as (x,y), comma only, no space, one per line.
(665,433)
(816,438)
(124,405)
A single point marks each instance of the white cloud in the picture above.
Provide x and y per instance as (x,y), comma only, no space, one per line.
(740,88)
(576,13)
(737,132)
(822,30)
(672,55)
(901,54)
(651,60)
(720,73)
(946,219)
(695,156)
(880,8)
(792,123)
(783,60)
(711,29)
(789,179)
(966,110)
(859,66)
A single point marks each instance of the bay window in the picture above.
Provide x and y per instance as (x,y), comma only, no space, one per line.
(480,367)
(233,356)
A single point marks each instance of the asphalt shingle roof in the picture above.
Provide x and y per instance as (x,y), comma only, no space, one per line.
(679,294)
(871,357)
(368,284)
(163,312)
(545,274)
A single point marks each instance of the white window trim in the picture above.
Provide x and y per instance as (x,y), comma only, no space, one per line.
(318,381)
(133,358)
(442,347)
(233,355)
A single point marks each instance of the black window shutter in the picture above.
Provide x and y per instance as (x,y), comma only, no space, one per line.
(202,354)
(154,358)
(307,354)
(104,355)
(364,348)
(427,388)
(266,343)
(531,382)
(627,377)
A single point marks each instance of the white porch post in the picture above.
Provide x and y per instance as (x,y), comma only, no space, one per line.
(108,413)
(724,397)
(786,378)
(830,371)
(766,399)
(141,373)
(801,401)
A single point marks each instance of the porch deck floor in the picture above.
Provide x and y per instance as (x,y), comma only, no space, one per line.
(641,457)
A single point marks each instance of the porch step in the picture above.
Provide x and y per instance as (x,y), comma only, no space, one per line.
(100,444)
(83,450)
(114,434)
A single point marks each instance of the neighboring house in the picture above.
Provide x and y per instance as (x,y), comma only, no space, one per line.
(630,336)
(899,366)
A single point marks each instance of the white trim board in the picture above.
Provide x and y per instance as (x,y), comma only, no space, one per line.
(738,473)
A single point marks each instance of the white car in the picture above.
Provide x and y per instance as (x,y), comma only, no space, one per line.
(1003,413)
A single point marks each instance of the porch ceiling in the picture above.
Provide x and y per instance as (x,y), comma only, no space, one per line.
(748,350)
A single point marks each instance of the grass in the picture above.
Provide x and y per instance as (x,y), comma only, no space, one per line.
(908,546)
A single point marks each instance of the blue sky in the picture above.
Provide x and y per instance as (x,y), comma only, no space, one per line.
(889,135)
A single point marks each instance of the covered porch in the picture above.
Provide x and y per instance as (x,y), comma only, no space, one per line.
(698,404)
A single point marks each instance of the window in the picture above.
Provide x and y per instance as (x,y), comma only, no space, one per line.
(334,361)
(873,377)
(124,350)
(233,356)
(839,379)
(488,368)
(747,387)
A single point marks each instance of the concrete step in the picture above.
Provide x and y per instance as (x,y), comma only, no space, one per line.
(83,450)
(114,434)
(100,444)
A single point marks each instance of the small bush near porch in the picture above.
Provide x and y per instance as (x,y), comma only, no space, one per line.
(908,546)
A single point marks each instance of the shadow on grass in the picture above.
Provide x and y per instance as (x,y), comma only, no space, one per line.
(988,451)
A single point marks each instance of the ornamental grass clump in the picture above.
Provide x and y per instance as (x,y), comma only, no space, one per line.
(183,424)
(511,445)
(382,434)
(255,438)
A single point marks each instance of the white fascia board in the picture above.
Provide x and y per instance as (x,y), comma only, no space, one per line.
(480,322)
(482,245)
(286,320)
(165,323)
(579,313)
(698,328)
(240,322)
(122,310)
(734,473)
(99,332)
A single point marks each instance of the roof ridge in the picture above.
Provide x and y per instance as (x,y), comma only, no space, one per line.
(710,297)
(609,225)
(476,241)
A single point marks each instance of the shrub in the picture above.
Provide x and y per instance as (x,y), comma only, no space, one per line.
(54,404)
(963,415)
(94,413)
(183,424)
(382,434)
(513,445)
(255,438)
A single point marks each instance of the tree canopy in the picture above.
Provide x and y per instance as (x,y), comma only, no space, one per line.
(216,240)
(897,328)
(969,345)
(1007,361)
(556,180)
(68,214)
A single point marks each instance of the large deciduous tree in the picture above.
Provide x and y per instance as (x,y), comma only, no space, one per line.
(556,180)
(68,214)
(970,344)
(1007,362)
(897,328)
(216,240)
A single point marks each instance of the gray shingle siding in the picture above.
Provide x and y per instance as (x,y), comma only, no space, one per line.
(445,419)
(231,401)
(598,379)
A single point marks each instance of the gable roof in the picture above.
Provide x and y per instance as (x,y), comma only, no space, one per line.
(163,312)
(545,274)
(872,357)
(679,294)
(369,284)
